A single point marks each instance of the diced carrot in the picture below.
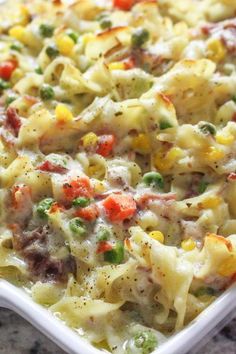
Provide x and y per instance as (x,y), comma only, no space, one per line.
(90,213)
(79,187)
(119,207)
(48,166)
(103,247)
(105,145)
(56,207)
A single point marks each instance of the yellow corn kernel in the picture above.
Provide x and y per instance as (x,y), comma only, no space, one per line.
(98,186)
(211,202)
(161,163)
(157,235)
(65,44)
(228,268)
(17,75)
(24,14)
(89,140)
(164,162)
(188,244)
(174,154)
(224,139)
(141,144)
(63,114)
(94,170)
(88,37)
(116,65)
(213,154)
(17,32)
(215,50)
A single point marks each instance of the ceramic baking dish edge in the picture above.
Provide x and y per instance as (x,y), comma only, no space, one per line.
(189,338)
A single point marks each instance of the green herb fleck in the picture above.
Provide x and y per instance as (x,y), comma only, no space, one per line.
(202,187)
(39,71)
(207,128)
(52,51)
(139,37)
(164,124)
(205,291)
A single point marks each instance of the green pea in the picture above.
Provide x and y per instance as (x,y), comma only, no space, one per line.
(46,92)
(9,100)
(234,98)
(105,23)
(103,234)
(139,37)
(202,187)
(207,128)
(52,51)
(16,46)
(153,179)
(77,227)
(46,30)
(116,255)
(81,202)
(43,207)
(39,71)
(146,341)
(164,124)
(205,291)
(4,84)
(74,36)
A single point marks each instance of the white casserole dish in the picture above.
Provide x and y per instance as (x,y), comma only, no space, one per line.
(190,338)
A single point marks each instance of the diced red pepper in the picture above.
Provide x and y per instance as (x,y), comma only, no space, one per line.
(90,213)
(105,145)
(13,122)
(123,4)
(48,166)
(6,69)
(79,187)
(119,207)
(103,247)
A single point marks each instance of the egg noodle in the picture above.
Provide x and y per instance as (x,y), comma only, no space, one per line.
(118,162)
